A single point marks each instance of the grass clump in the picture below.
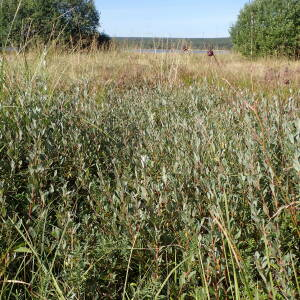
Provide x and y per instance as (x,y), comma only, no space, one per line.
(147,192)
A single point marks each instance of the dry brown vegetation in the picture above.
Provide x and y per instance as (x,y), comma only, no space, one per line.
(125,70)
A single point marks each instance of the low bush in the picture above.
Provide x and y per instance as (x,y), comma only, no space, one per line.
(148,194)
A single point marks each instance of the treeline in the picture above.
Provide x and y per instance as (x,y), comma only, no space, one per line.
(69,22)
(173,43)
(268,27)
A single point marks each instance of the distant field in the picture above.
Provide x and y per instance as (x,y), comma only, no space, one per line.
(166,43)
(141,176)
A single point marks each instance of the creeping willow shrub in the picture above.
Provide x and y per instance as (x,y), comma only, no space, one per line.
(148,194)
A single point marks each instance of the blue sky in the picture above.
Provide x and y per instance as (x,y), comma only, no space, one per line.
(168,18)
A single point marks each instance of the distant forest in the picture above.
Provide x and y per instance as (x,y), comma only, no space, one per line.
(174,43)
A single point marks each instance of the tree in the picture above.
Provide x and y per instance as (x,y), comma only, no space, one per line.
(80,16)
(268,27)
(46,20)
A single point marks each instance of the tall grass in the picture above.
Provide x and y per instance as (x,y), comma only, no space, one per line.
(134,176)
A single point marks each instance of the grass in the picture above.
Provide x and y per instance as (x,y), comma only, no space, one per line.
(148,176)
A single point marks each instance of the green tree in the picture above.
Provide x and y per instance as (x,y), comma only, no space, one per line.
(268,27)
(80,16)
(46,19)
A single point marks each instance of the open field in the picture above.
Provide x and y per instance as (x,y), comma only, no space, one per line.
(149,176)
(126,70)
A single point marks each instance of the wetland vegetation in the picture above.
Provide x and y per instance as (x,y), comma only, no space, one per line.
(148,176)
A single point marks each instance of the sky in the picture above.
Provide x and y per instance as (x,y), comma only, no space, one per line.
(168,18)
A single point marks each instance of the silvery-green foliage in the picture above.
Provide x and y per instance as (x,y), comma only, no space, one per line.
(180,192)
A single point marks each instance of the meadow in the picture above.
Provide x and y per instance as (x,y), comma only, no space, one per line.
(148,176)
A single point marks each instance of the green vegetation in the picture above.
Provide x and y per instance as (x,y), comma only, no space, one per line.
(267,27)
(22,22)
(174,43)
(136,176)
